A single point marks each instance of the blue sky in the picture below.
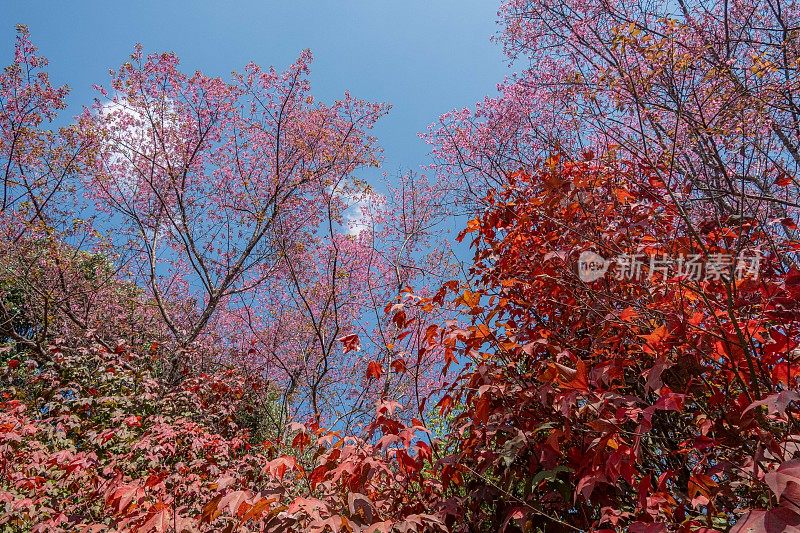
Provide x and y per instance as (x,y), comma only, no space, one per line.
(424,57)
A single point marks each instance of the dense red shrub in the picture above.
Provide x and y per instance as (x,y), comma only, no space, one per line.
(113,450)
(646,401)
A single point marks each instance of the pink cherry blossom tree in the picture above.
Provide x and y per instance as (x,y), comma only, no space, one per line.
(705,91)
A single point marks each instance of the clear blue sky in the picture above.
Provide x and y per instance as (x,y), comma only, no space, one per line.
(424,57)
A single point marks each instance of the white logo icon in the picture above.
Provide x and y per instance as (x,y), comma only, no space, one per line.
(591,266)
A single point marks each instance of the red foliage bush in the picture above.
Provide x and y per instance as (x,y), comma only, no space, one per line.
(118,452)
(647,402)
